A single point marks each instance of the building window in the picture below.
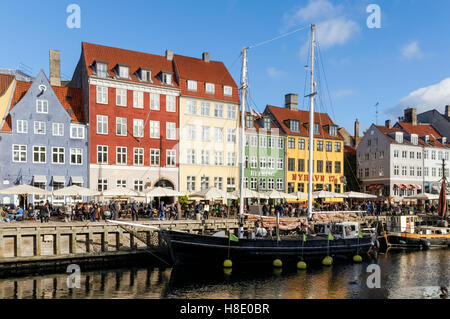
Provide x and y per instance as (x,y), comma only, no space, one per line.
(76,131)
(301,165)
(167,78)
(231,184)
(191,157)
(204,157)
(395,153)
(218,158)
(171,157)
(262,184)
(121,183)
(253,141)
(123,72)
(138,156)
(154,101)
(121,97)
(42,106)
(171,131)
(301,187)
(121,155)
(329,167)
(218,110)
(333,130)
(58,129)
(190,183)
(231,135)
(291,164)
(76,156)
(253,183)
(191,107)
(102,154)
(246,182)
(419,171)
(270,184)
(294,125)
(301,143)
(253,162)
(138,185)
(22,126)
(146,75)
(231,159)
(329,146)
(19,153)
(316,128)
(205,133)
(426,171)
(433,172)
(271,163)
(227,90)
(411,170)
(171,103)
(396,170)
(192,85)
(101,70)
(39,154)
(433,155)
(320,145)
(337,167)
(102,185)
(138,128)
(411,154)
(337,147)
(154,129)
(138,99)
(231,112)
(102,95)
(204,109)
(249,121)
(291,142)
(218,182)
(291,187)
(280,185)
(218,134)
(404,171)
(271,143)
(337,188)
(204,182)
(58,155)
(262,162)
(190,132)
(154,157)
(263,141)
(319,166)
(209,88)
(102,124)
(279,163)
(39,127)
(281,143)
(425,154)
(121,126)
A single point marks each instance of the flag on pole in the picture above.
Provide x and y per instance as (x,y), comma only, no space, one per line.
(360,235)
(330,236)
(233,237)
(304,237)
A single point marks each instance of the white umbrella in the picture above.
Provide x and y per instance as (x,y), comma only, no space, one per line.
(75,190)
(248,193)
(162,192)
(24,190)
(300,195)
(424,196)
(213,193)
(274,194)
(360,195)
(121,192)
(326,194)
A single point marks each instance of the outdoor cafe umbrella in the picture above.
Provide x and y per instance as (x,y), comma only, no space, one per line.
(357,195)
(424,196)
(75,190)
(248,193)
(274,194)
(300,195)
(162,192)
(326,194)
(213,193)
(121,192)
(24,190)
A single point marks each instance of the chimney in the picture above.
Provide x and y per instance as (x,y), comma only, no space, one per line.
(169,55)
(388,124)
(411,115)
(447,111)
(205,56)
(356,133)
(55,68)
(291,101)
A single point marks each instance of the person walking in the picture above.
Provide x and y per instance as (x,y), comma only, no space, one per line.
(206,211)
(134,211)
(161,215)
(92,213)
(114,210)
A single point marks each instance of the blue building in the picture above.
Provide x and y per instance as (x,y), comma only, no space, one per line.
(43,139)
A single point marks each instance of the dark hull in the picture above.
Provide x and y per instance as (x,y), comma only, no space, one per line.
(188,249)
(418,243)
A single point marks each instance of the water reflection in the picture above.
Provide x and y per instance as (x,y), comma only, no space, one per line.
(403,275)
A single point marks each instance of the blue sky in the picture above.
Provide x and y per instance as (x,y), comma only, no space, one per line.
(362,66)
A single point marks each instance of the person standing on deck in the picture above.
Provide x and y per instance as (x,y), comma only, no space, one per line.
(161,215)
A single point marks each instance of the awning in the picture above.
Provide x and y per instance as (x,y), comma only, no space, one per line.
(400,186)
(40,179)
(379,186)
(59,179)
(370,187)
(409,186)
(77,179)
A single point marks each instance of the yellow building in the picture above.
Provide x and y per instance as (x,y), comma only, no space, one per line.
(328,148)
(209,125)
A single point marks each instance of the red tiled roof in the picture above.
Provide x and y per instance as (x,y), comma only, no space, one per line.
(72,105)
(215,72)
(283,114)
(349,150)
(422,130)
(5,81)
(256,125)
(135,60)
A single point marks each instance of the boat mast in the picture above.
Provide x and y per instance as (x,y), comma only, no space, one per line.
(311,126)
(244,85)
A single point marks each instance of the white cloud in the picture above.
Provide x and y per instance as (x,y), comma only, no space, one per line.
(344,93)
(274,72)
(333,27)
(435,96)
(412,51)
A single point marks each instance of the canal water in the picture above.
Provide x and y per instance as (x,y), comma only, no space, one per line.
(416,274)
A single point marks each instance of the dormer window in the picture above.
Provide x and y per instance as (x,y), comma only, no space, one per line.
(444,140)
(227,90)
(316,128)
(332,130)
(101,69)
(146,75)
(399,137)
(249,121)
(123,72)
(267,123)
(209,88)
(166,78)
(294,125)
(414,139)
(192,85)
(427,138)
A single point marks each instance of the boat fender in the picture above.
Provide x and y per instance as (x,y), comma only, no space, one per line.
(301,265)
(425,244)
(277,263)
(327,261)
(402,242)
(227,263)
(357,259)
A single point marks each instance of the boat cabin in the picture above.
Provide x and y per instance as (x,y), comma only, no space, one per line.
(429,230)
(339,230)
(402,224)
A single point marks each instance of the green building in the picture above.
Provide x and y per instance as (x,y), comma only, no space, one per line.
(264,154)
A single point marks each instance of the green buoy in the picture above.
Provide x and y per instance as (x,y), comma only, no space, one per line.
(357,259)
(327,261)
(228,263)
(301,265)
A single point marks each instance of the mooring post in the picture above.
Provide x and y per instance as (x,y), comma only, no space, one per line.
(119,241)
(57,243)
(38,243)
(2,244)
(73,243)
(105,241)
(90,242)
(18,244)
